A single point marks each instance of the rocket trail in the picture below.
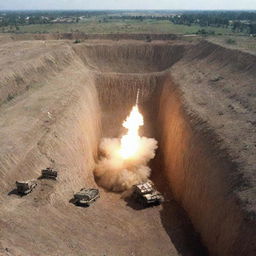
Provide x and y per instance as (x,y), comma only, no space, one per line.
(137,98)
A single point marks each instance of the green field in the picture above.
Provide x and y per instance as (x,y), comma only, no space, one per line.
(245,43)
(101,25)
(118,26)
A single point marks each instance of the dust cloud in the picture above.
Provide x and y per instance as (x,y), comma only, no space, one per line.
(118,174)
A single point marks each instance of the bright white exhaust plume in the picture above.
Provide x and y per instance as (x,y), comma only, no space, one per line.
(125,160)
(131,141)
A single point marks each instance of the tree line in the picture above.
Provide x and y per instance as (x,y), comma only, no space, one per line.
(238,21)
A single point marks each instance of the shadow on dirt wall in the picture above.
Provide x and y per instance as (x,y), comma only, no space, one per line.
(174,218)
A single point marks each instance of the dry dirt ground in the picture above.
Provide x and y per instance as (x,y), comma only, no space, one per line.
(58,99)
(38,78)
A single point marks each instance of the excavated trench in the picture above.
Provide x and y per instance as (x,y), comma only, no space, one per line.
(197,177)
(188,167)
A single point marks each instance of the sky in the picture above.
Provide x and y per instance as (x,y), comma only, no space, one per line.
(128,4)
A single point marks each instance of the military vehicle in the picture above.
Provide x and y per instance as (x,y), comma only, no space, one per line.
(25,187)
(48,173)
(86,196)
(146,194)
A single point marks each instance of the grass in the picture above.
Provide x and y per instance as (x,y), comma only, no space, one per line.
(119,26)
(239,42)
(230,41)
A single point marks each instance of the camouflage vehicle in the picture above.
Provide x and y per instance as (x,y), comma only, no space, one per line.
(25,187)
(86,196)
(146,194)
(48,173)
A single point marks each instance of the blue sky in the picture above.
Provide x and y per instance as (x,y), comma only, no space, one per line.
(128,4)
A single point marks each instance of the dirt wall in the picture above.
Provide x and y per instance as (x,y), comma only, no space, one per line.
(84,36)
(202,178)
(58,125)
(30,70)
(130,57)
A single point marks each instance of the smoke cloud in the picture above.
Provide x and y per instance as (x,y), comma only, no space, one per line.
(118,174)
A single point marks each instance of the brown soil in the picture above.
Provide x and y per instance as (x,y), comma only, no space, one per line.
(198,101)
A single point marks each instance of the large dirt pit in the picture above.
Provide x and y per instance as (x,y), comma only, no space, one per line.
(59,99)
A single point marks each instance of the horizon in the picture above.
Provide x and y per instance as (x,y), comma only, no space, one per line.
(98,5)
(250,10)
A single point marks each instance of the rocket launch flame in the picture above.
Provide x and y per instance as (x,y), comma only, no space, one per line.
(131,141)
(125,160)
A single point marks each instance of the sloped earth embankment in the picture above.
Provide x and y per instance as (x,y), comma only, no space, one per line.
(190,97)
